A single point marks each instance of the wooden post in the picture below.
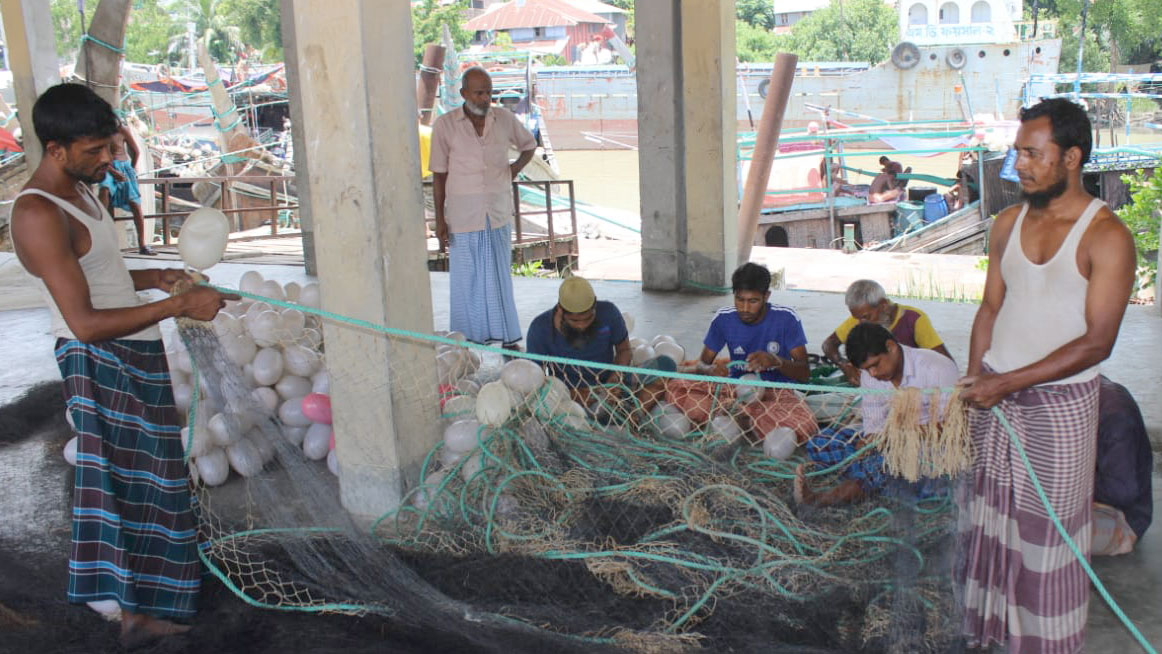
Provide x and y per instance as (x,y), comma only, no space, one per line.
(765,147)
(429,82)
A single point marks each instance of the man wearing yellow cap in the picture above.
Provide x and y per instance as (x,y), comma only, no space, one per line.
(584,328)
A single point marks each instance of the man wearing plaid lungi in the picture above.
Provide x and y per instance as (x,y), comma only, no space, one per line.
(133,531)
(1061,267)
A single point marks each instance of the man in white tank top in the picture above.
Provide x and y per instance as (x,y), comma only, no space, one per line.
(1060,272)
(134,535)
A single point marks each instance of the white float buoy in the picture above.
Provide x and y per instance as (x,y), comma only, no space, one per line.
(70,451)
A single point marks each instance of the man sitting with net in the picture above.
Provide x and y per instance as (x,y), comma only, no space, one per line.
(764,339)
(883,364)
(583,328)
(867,302)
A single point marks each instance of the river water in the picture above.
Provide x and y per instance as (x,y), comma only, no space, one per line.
(609,178)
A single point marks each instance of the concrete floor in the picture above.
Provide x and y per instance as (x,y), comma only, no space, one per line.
(1133,580)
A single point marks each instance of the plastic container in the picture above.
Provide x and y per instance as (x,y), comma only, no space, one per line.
(780,443)
(920,193)
(909,215)
(935,208)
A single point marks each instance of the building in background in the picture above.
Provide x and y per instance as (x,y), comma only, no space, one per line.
(569,28)
(789,12)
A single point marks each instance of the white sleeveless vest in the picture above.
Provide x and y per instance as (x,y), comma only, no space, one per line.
(110,285)
(1044,305)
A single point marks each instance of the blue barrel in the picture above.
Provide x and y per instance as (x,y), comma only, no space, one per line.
(909,216)
(935,207)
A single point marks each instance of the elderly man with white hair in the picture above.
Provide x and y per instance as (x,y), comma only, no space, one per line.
(867,302)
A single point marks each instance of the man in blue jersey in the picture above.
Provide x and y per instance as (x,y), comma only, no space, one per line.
(768,337)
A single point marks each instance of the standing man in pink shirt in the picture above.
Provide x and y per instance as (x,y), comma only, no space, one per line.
(472,184)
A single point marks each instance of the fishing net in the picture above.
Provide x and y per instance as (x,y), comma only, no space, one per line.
(648,510)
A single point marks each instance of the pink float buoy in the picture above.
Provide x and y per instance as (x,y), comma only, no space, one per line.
(317,408)
(332,439)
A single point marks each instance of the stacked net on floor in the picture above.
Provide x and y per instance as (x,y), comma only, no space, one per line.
(652,511)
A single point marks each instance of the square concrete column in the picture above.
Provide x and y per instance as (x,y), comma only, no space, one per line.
(298,136)
(708,93)
(661,158)
(357,116)
(32,55)
(686,138)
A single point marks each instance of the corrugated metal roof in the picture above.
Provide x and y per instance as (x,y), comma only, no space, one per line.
(595,7)
(533,13)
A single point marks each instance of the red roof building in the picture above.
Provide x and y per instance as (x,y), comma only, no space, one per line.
(552,26)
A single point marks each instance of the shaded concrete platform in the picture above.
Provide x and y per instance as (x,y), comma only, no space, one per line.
(1135,362)
(1133,580)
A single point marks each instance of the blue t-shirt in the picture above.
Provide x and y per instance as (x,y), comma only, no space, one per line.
(609,330)
(779,332)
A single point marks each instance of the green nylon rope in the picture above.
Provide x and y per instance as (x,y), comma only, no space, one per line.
(546,358)
(695,562)
(1101,589)
(92,39)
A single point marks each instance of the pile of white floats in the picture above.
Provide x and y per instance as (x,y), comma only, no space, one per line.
(279,352)
(476,401)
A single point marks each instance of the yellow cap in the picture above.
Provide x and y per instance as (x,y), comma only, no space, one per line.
(576,295)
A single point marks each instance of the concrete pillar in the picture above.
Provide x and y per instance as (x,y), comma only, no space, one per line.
(710,119)
(303,188)
(32,54)
(357,117)
(661,159)
(689,187)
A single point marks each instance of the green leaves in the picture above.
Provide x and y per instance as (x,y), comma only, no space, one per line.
(428,19)
(855,30)
(1142,215)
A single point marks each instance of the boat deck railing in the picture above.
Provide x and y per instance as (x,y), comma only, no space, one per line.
(535,240)
(274,187)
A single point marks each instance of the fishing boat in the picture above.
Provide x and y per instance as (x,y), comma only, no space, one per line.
(981,46)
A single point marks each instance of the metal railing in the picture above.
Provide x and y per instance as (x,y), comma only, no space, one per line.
(272,182)
(547,195)
(534,245)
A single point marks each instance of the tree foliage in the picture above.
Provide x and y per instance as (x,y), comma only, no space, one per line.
(212,25)
(259,24)
(1117,31)
(1143,215)
(755,43)
(428,20)
(756,13)
(847,30)
(147,37)
(66,24)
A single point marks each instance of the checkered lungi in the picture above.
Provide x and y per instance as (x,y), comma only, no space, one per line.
(1022,585)
(482,305)
(134,532)
(835,446)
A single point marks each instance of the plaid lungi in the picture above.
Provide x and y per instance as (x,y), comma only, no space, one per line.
(831,446)
(1022,584)
(134,533)
(482,306)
